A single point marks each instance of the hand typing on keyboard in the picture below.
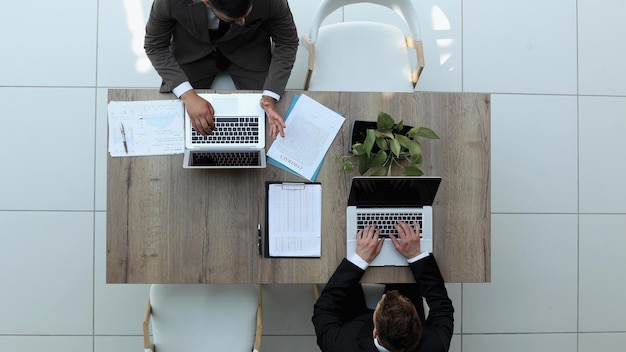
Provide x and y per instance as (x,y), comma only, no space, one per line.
(200,112)
(409,239)
(368,243)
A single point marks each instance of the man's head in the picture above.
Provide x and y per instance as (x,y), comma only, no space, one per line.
(396,324)
(230,10)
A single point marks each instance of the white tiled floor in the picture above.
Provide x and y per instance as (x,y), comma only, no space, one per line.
(602,170)
(533,287)
(534,160)
(611,342)
(121,59)
(558,176)
(520,343)
(58,173)
(117,344)
(54,44)
(601,30)
(47,273)
(602,243)
(519,47)
(47,343)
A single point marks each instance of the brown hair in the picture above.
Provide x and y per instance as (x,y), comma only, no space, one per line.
(398,326)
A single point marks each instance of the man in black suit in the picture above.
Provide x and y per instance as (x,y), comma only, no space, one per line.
(344,323)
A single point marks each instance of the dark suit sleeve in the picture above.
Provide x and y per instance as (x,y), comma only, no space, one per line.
(282,30)
(159,29)
(328,312)
(439,325)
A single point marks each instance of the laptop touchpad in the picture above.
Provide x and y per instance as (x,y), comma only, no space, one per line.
(226,105)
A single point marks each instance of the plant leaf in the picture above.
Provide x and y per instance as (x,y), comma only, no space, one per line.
(399,126)
(382,143)
(415,150)
(347,166)
(381,171)
(358,149)
(369,141)
(379,159)
(364,164)
(384,134)
(384,122)
(404,140)
(416,160)
(395,147)
(423,132)
(412,171)
(405,154)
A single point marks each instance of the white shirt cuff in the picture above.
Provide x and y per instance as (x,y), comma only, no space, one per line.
(358,261)
(182,89)
(269,93)
(418,257)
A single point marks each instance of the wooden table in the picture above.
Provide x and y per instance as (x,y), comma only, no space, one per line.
(166,224)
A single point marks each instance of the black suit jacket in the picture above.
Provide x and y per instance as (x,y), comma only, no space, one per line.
(341,330)
(177,33)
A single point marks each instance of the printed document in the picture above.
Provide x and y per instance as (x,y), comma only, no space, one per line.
(311,128)
(153,127)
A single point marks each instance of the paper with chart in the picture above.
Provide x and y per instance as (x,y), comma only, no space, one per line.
(153,127)
(294,224)
(311,128)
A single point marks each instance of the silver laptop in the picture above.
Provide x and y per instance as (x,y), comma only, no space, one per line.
(238,140)
(386,200)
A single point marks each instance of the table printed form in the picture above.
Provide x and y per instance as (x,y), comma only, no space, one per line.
(294,219)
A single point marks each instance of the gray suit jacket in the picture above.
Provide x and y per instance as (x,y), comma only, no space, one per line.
(177,33)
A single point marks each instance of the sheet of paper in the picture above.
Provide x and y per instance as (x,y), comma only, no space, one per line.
(294,220)
(153,127)
(311,128)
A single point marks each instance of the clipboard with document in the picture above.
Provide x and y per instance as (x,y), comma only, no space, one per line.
(294,219)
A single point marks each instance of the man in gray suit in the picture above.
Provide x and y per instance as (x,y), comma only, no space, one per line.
(190,41)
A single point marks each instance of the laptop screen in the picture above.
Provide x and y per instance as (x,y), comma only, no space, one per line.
(405,191)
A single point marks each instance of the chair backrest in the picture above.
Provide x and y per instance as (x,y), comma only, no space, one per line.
(223,81)
(204,317)
(404,8)
(378,39)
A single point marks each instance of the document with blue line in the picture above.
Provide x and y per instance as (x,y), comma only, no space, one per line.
(311,129)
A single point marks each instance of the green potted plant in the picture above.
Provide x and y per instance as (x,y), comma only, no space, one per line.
(385,145)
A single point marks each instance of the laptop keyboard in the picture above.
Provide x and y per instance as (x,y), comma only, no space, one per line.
(385,221)
(244,158)
(230,130)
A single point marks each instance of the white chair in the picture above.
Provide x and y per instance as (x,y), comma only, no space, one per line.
(223,81)
(203,317)
(363,56)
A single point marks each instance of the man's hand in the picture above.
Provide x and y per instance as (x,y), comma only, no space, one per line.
(368,244)
(200,112)
(277,124)
(409,243)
